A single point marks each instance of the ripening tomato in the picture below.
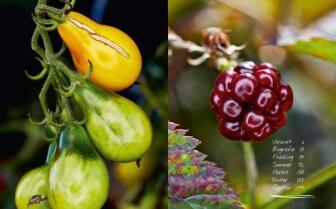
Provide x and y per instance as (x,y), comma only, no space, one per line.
(32,183)
(78,177)
(115,57)
(119,129)
(129,174)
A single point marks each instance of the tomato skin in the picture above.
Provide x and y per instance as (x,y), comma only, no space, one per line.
(119,129)
(49,131)
(129,174)
(35,182)
(115,57)
(42,205)
(78,178)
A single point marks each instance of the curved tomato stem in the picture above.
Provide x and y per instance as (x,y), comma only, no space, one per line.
(35,45)
(54,13)
(59,77)
(43,93)
(61,51)
(38,76)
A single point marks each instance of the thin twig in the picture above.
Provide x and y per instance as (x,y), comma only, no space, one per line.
(177,42)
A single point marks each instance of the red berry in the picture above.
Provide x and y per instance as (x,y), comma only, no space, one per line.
(245,67)
(267,78)
(280,122)
(231,109)
(244,87)
(253,121)
(215,101)
(250,102)
(223,82)
(232,130)
(286,96)
(263,133)
(275,114)
(264,100)
(219,118)
(270,67)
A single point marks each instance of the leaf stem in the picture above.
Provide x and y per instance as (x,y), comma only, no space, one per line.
(251,172)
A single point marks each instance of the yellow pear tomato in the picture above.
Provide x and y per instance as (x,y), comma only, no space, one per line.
(115,58)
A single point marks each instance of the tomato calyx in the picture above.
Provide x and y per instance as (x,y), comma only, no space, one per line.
(74,139)
(56,15)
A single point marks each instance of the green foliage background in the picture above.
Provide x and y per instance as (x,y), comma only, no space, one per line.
(307,65)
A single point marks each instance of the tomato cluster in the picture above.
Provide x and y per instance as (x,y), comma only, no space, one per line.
(250,101)
(115,127)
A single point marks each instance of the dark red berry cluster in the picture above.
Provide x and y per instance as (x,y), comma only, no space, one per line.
(250,102)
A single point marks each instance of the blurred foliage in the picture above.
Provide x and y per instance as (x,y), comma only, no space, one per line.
(262,25)
(321,48)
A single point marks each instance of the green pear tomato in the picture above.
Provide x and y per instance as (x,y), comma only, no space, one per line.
(78,177)
(35,182)
(42,205)
(119,129)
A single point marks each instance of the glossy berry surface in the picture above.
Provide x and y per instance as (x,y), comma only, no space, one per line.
(250,101)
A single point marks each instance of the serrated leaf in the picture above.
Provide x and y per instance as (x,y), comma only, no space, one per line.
(317,47)
(178,205)
(192,180)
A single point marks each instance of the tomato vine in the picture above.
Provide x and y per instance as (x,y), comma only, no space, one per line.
(58,75)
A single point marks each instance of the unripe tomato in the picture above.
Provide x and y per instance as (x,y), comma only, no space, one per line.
(50,132)
(115,57)
(35,182)
(120,129)
(42,205)
(78,177)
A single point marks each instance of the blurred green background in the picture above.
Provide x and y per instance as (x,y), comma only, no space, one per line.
(261,25)
(22,145)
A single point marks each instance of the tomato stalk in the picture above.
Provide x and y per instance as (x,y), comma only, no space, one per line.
(58,75)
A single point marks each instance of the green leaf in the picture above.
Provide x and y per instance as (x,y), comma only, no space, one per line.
(178,205)
(317,47)
(192,181)
(313,181)
(197,204)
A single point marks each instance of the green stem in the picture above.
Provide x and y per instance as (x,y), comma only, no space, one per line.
(51,152)
(67,112)
(42,95)
(34,44)
(47,45)
(251,172)
(317,179)
(55,13)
